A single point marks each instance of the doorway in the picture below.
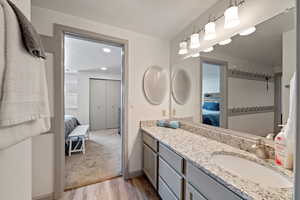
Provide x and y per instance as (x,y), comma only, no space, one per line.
(92,119)
(54,48)
(214,92)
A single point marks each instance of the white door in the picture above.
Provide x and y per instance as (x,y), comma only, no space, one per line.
(97,104)
(113,99)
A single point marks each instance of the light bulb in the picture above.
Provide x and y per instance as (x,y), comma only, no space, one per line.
(231,17)
(183,48)
(248,31)
(106,50)
(195,41)
(224,42)
(210,31)
(209,49)
(196,55)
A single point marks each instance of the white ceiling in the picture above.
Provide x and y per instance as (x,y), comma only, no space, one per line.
(88,56)
(160,18)
(265,45)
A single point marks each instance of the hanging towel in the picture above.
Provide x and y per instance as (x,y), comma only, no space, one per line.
(31,39)
(24,104)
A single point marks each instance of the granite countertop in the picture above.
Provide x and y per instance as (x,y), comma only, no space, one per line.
(199,151)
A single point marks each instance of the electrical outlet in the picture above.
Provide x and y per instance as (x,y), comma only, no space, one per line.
(164,113)
(174,112)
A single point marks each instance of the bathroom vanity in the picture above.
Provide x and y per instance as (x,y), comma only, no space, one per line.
(180,165)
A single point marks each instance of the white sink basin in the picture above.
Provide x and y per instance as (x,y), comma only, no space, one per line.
(252,171)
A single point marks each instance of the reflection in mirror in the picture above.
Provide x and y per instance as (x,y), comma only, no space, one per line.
(181,86)
(213,97)
(243,84)
(155,84)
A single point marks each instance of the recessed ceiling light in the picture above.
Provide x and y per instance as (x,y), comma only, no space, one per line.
(196,55)
(103,68)
(248,31)
(224,42)
(106,50)
(208,49)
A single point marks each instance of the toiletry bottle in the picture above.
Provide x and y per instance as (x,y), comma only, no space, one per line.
(280,148)
(285,140)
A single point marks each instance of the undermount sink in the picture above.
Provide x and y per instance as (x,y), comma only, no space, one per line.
(252,171)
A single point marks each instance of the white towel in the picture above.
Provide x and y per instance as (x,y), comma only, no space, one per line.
(24,104)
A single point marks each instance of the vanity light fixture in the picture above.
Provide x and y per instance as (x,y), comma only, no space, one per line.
(195,41)
(103,68)
(210,31)
(209,49)
(248,31)
(196,55)
(231,16)
(183,48)
(224,42)
(106,50)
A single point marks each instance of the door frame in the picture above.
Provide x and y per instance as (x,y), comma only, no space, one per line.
(223,87)
(103,79)
(58,122)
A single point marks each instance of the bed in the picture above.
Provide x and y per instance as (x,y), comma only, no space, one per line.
(211,113)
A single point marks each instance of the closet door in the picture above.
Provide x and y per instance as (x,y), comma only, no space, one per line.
(97,104)
(113,99)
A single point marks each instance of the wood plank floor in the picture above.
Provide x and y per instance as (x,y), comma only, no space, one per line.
(115,189)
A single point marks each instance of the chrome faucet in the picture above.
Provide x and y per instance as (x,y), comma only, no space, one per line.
(260,150)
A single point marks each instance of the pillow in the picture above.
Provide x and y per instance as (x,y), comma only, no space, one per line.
(215,106)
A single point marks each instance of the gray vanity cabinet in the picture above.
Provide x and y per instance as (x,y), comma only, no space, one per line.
(176,178)
(208,186)
(150,159)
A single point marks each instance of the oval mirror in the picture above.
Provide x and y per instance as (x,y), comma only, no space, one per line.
(181,86)
(155,84)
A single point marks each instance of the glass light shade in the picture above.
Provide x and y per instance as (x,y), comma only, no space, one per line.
(210,31)
(248,31)
(224,42)
(196,55)
(209,49)
(195,41)
(183,48)
(231,17)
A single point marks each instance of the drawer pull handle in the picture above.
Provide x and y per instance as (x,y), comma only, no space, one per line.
(191,196)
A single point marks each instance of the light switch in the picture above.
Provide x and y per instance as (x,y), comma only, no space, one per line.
(164,113)
(174,112)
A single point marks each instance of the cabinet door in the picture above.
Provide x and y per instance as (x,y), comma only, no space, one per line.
(150,165)
(113,103)
(97,104)
(193,194)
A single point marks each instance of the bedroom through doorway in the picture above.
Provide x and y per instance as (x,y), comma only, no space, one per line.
(93,108)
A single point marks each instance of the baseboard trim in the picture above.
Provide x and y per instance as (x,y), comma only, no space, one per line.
(44,197)
(135,174)
(91,183)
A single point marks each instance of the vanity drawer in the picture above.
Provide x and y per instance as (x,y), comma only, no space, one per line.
(171,157)
(193,194)
(171,178)
(150,141)
(209,187)
(164,192)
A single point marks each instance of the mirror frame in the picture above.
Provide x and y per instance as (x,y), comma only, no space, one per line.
(174,96)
